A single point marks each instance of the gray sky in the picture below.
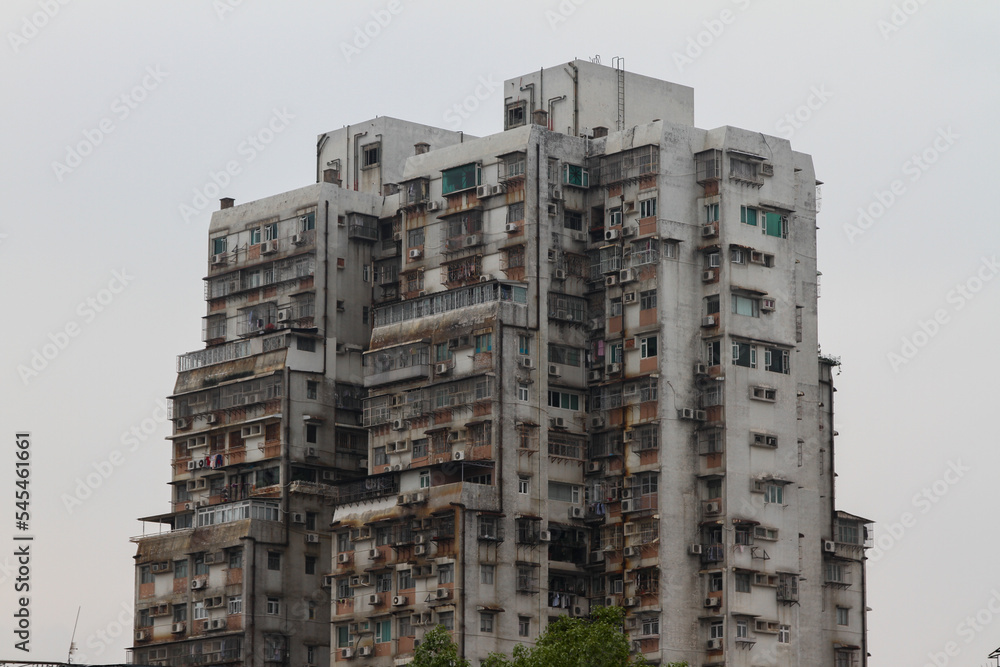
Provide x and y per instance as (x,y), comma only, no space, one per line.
(117,115)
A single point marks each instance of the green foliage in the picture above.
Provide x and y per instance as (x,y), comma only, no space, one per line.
(598,641)
(438,650)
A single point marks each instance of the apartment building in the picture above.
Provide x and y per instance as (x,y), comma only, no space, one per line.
(571,364)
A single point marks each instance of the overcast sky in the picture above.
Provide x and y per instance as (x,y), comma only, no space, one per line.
(117,114)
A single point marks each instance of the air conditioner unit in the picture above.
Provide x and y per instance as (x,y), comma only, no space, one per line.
(433,206)
(610,281)
(597,422)
(700,369)
(558,422)
(141,635)
(344,558)
(767,305)
(553,209)
(178,628)
(399,601)
(346,653)
(554,370)
(713,508)
(545,536)
(471,240)
(198,584)
(694,549)
(707,276)
(576,512)
(483,191)
(416,253)
(443,593)
(374,599)
(629,232)
(628,506)
(595,467)
(329,476)
(312,453)
(399,424)
(685,413)
(312,538)
(708,321)
(374,554)
(486,277)
(613,369)
(625,494)
(298,239)
(594,376)
(630,602)
(559,274)
(580,237)
(557,194)
(708,231)
(511,228)
(284,314)
(628,297)
(626,276)
(496,190)
(713,602)
(458,456)
(714,644)
(298,517)
(365,651)
(221,258)
(420,550)
(829,546)
(192,465)
(700,415)
(269,247)
(631,552)
(612,234)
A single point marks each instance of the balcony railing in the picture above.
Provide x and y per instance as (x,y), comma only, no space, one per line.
(237,349)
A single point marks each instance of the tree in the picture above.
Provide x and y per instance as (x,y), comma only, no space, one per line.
(438,650)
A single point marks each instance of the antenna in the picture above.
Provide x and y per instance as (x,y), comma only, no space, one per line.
(72,645)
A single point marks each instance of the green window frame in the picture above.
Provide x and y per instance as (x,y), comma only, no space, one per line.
(775,225)
(748,216)
(460,178)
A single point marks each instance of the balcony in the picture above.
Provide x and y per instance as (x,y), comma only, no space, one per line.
(406,361)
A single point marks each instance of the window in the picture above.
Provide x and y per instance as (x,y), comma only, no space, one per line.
(776,360)
(742,629)
(744,305)
(255,236)
(446,574)
(745,354)
(381,458)
(486,574)
(460,178)
(199,612)
(714,582)
(447,619)
(784,634)
(774,493)
(737,256)
(515,212)
(344,590)
(843,616)
(646,483)
(146,575)
(219,245)
(484,343)
(486,619)
(180,569)
(516,114)
(271,231)
(742,581)
(711,213)
(273,560)
(645,251)
(713,353)
(573,220)
(715,631)
(344,639)
(712,395)
(200,566)
(647,347)
(837,573)
(312,390)
(312,431)
(415,237)
(748,216)
(371,155)
(405,626)
(576,175)
(307,221)
(775,225)
(647,207)
(523,626)
(425,479)
(650,625)
(569,493)
(523,344)
(310,567)
(647,299)
(383,631)
(310,520)
(235,605)
(310,654)
(489,528)
(614,217)
(567,356)
(564,400)
(615,307)
(713,261)
(712,304)
(180,613)
(273,606)
(383,582)
(514,257)
(523,485)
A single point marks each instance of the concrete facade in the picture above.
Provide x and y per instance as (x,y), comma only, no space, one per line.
(591,378)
